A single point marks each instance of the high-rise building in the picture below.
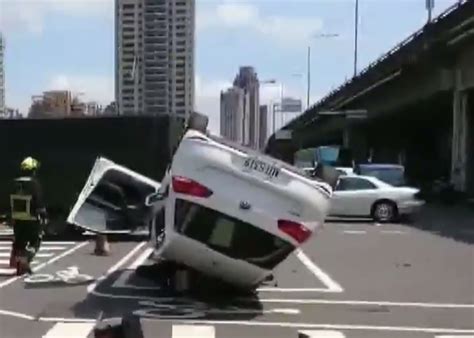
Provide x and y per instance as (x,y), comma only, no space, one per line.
(155,57)
(234,114)
(247,79)
(263,123)
(2,77)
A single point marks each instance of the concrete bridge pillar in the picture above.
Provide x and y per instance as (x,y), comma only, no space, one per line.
(355,139)
(460,137)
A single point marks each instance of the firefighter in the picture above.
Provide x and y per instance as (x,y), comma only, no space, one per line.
(28,216)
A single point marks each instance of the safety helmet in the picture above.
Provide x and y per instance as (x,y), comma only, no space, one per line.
(30,163)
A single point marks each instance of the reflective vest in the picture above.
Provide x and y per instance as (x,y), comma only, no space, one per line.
(20,204)
(21,208)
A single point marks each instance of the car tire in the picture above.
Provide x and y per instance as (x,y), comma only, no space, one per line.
(384,212)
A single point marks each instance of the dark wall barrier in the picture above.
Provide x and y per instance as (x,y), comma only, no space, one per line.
(67,149)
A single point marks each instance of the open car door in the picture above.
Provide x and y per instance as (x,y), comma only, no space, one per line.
(114,199)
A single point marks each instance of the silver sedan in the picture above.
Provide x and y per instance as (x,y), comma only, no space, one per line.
(365,196)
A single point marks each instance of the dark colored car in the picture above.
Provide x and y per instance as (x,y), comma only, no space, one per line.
(393,174)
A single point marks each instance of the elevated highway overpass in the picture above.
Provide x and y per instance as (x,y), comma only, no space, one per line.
(419,99)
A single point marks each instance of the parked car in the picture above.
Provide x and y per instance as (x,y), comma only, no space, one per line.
(367,196)
(222,209)
(393,174)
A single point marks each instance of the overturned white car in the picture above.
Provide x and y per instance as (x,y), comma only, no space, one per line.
(222,209)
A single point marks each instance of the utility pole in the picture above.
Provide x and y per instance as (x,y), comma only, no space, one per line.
(356,36)
(430,4)
(308,77)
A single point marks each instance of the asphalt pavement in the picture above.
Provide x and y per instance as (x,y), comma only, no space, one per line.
(353,279)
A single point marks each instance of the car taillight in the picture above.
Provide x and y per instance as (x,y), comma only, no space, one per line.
(297,231)
(184,185)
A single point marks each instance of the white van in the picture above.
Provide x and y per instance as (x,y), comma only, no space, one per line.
(222,209)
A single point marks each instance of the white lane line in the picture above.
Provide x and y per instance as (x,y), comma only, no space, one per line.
(194,331)
(141,259)
(366,303)
(39,255)
(444,336)
(320,274)
(395,232)
(320,334)
(42,265)
(91,287)
(122,281)
(332,326)
(354,232)
(70,330)
(16,315)
(283,290)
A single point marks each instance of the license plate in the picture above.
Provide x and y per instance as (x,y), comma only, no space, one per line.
(267,169)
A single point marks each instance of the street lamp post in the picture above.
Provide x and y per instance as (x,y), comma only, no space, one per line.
(356,35)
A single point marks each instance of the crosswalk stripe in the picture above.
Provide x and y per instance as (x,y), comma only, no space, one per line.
(8,243)
(320,334)
(195,331)
(39,255)
(7,262)
(52,248)
(70,330)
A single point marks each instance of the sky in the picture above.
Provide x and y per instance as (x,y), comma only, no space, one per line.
(69,44)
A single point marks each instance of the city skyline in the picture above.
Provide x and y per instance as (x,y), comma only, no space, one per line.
(35,30)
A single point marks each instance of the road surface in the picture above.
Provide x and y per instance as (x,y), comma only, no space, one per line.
(353,279)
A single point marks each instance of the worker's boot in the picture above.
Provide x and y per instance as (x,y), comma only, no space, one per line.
(13,258)
(22,266)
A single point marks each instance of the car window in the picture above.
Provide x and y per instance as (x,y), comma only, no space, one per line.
(230,236)
(354,183)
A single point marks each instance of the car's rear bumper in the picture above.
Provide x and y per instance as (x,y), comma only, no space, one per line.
(410,207)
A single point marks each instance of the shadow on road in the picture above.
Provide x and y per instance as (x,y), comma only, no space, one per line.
(455,222)
(211,302)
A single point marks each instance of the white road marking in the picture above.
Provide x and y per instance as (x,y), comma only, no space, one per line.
(39,255)
(115,267)
(397,232)
(10,271)
(283,290)
(122,281)
(70,330)
(320,334)
(141,259)
(332,326)
(367,303)
(194,331)
(52,248)
(7,244)
(16,315)
(320,274)
(354,232)
(457,336)
(66,320)
(42,265)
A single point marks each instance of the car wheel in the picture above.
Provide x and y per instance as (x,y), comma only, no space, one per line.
(384,212)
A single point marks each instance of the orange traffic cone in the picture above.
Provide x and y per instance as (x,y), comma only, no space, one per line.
(102,246)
